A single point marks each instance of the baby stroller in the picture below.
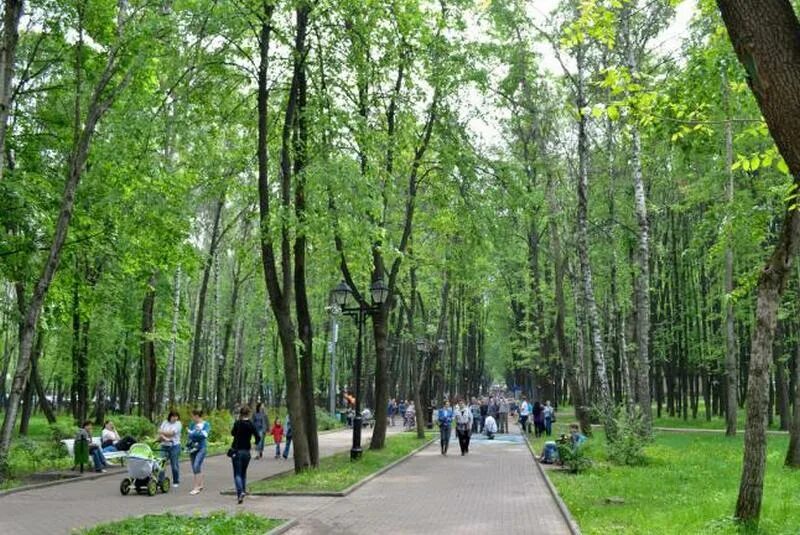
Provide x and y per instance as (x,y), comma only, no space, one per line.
(144,471)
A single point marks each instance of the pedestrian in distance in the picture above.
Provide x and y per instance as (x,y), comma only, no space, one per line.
(199,431)
(445,418)
(243,433)
(524,414)
(475,409)
(538,419)
(261,421)
(463,419)
(169,435)
(287,429)
(549,418)
(503,415)
(484,412)
(277,436)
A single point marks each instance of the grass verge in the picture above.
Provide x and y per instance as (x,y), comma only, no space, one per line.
(689,484)
(218,523)
(336,472)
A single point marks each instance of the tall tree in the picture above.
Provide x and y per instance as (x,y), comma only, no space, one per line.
(766,37)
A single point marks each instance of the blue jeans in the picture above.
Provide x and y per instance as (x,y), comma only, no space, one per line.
(173,454)
(277,449)
(97,458)
(240,462)
(444,437)
(548,426)
(286,449)
(260,444)
(197,458)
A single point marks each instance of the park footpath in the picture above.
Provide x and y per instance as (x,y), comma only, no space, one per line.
(496,487)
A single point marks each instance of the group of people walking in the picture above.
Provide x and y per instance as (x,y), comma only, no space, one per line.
(404,409)
(248,433)
(490,416)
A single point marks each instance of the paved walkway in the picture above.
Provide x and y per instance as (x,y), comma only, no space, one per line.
(494,488)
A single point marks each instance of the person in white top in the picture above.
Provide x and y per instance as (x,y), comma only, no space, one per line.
(524,413)
(490,427)
(169,434)
(463,418)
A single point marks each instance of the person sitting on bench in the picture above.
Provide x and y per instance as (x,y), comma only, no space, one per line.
(85,434)
(111,440)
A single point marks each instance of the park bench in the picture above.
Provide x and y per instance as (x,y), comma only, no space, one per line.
(69,443)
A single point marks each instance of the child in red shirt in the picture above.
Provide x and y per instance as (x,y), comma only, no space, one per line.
(277,436)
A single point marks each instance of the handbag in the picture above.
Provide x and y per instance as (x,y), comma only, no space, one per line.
(231,453)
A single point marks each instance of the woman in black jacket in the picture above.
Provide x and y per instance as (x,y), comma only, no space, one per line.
(243,433)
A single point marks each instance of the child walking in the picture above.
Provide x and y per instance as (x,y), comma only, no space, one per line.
(277,436)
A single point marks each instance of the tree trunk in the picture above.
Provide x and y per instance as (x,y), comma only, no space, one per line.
(299,144)
(793,453)
(148,350)
(27,398)
(766,37)
(731,366)
(169,379)
(280,295)
(605,402)
(196,362)
(8,57)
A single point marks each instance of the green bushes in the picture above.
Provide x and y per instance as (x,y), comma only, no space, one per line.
(325,421)
(138,427)
(573,458)
(630,440)
(221,422)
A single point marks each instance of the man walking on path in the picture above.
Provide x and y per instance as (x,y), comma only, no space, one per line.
(549,418)
(463,418)
(445,417)
(503,421)
(475,409)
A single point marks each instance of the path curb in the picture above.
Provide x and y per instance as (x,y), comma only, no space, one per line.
(333,494)
(283,528)
(573,525)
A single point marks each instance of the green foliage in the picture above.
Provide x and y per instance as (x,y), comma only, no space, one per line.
(138,427)
(628,446)
(216,523)
(221,422)
(61,430)
(325,421)
(574,459)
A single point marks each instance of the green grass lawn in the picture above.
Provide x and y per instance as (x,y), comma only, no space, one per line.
(689,485)
(218,523)
(337,472)
(566,412)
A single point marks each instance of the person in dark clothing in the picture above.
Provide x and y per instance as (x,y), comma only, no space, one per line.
(538,418)
(484,413)
(243,432)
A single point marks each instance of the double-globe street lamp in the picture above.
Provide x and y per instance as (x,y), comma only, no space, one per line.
(379,293)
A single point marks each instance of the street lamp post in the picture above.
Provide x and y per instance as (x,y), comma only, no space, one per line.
(379,292)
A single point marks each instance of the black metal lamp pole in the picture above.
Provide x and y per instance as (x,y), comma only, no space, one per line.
(379,293)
